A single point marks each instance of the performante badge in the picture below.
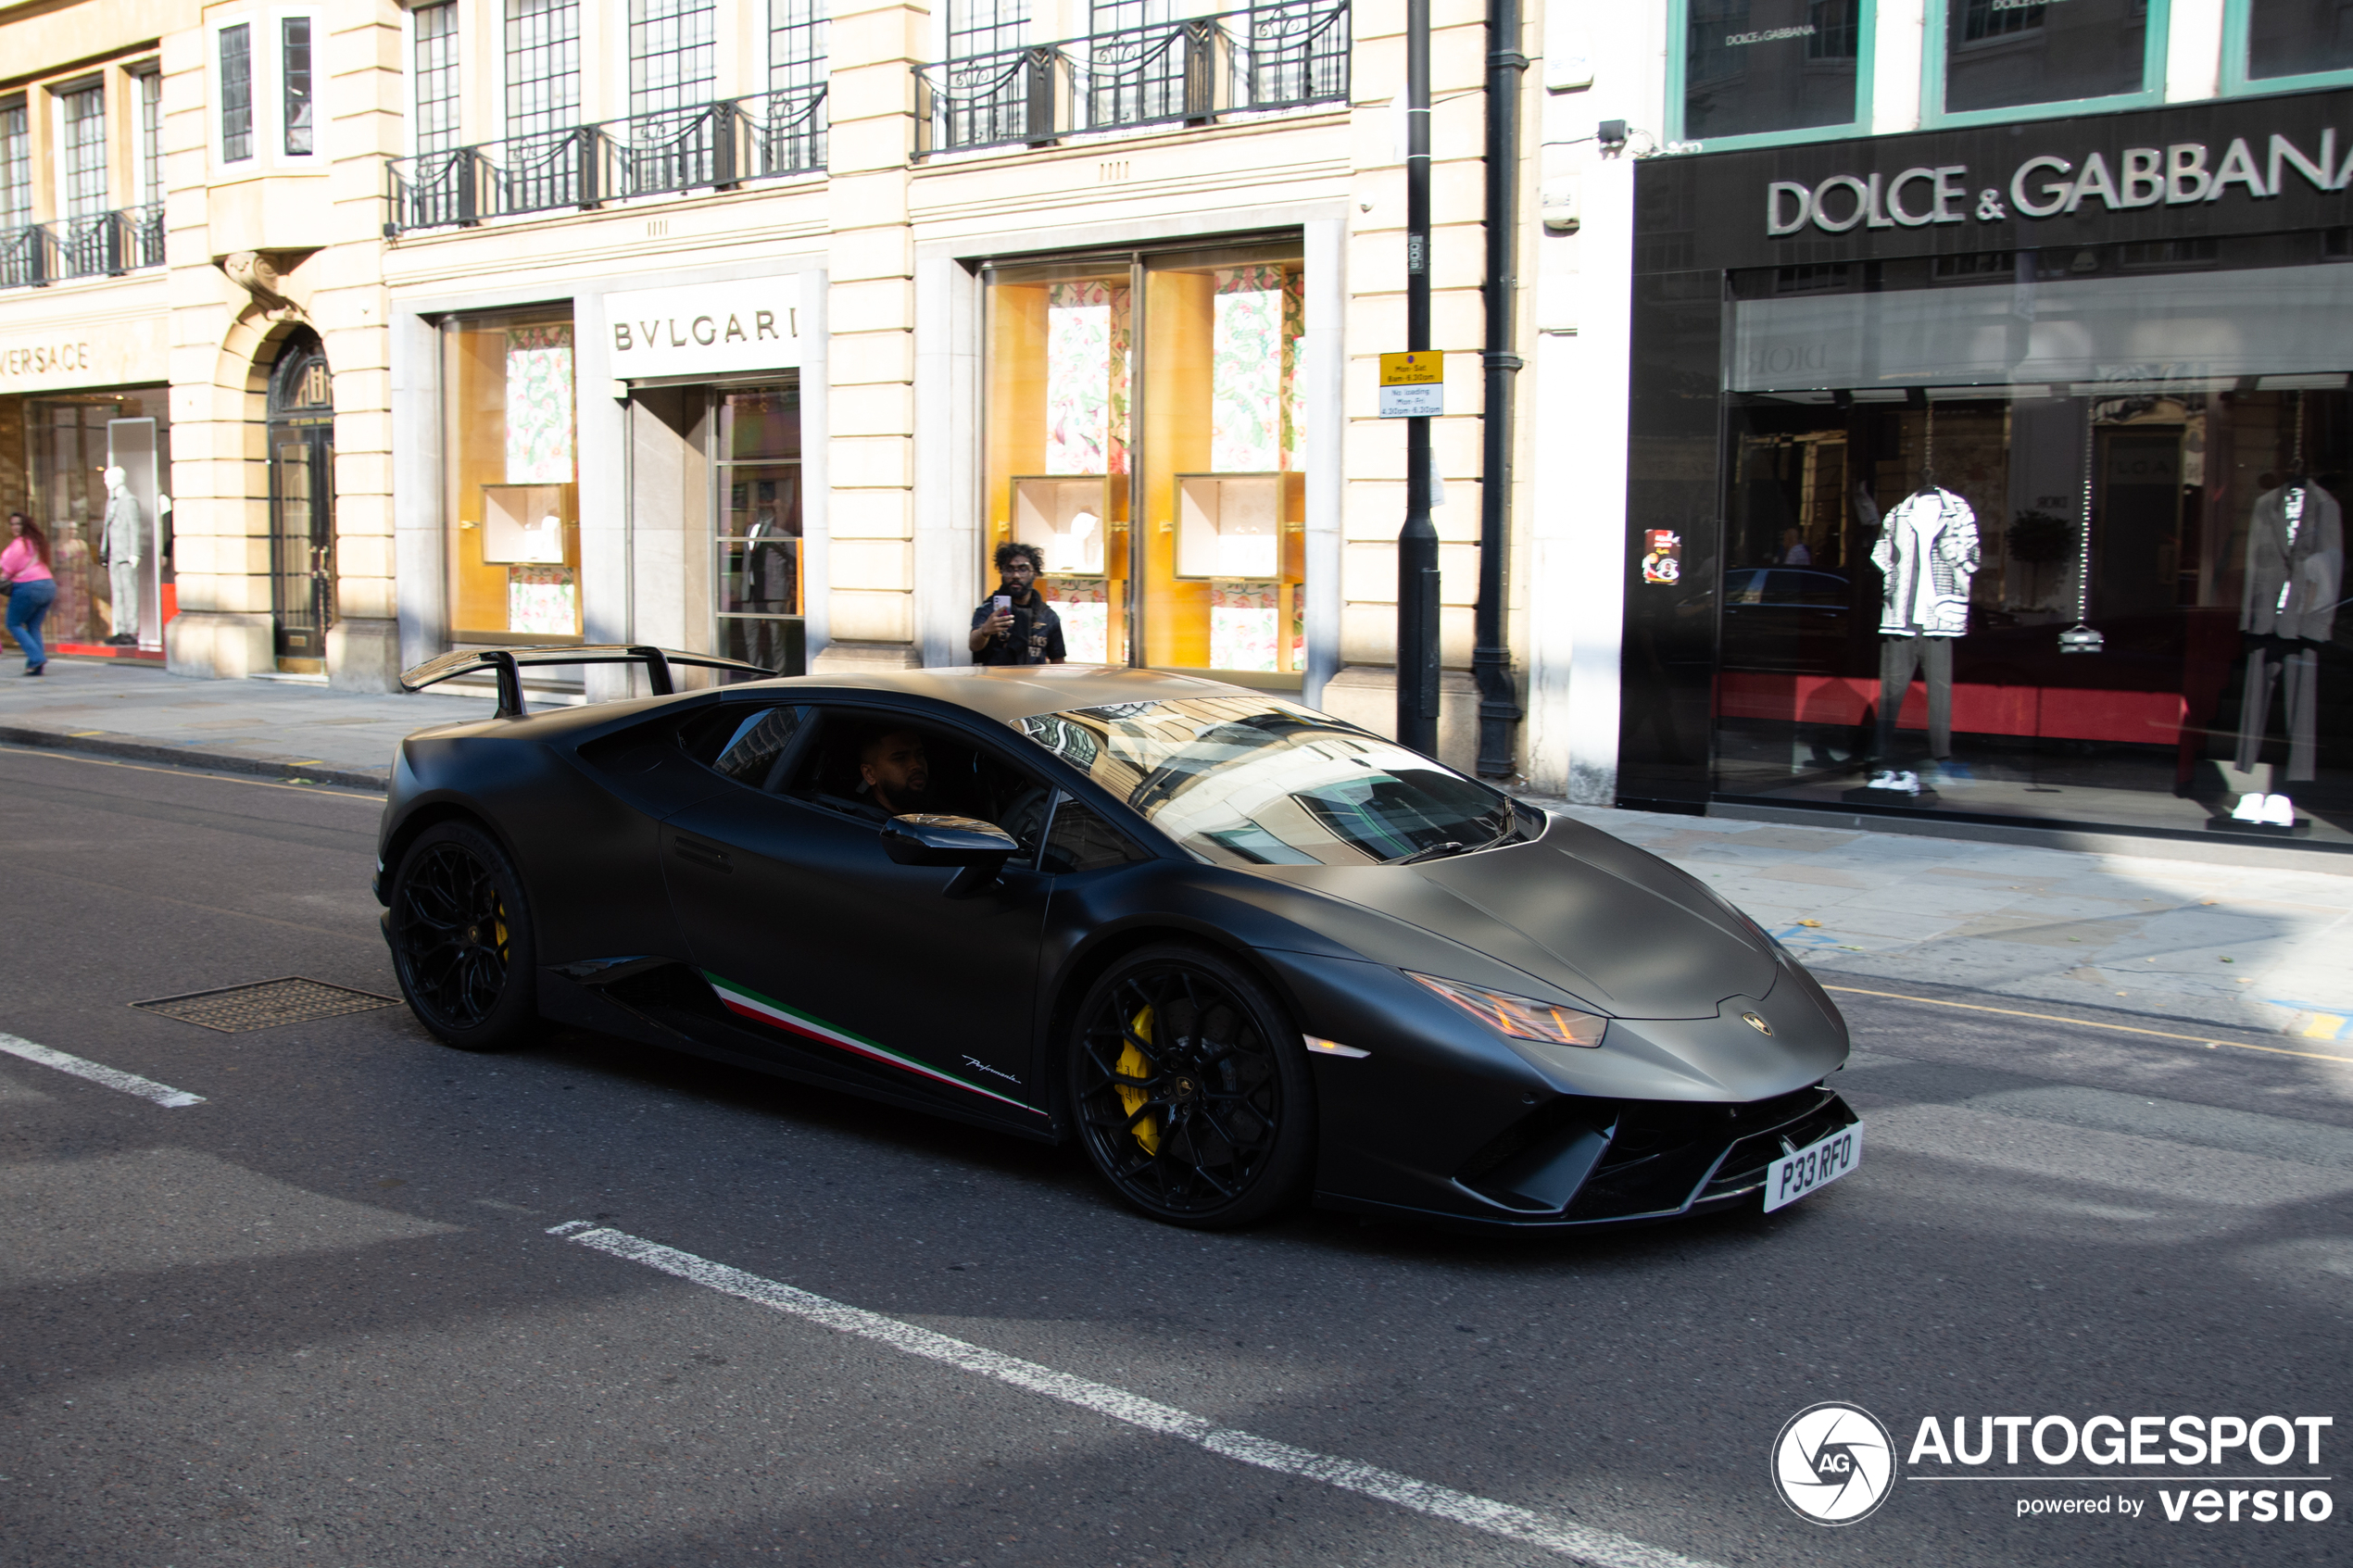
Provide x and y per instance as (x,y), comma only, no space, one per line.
(1833,1463)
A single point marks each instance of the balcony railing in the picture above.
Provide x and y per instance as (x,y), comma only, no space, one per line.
(710,146)
(102,246)
(1271,56)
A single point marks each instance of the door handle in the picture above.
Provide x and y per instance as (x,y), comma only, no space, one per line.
(709,857)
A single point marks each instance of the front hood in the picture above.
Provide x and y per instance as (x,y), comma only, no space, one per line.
(1579,910)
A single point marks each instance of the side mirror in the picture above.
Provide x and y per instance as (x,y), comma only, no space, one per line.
(980,848)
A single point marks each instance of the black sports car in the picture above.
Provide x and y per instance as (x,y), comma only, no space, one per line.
(1244,951)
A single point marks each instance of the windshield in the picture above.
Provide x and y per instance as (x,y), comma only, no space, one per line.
(1248,781)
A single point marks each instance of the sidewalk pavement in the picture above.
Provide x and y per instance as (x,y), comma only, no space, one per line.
(2263,945)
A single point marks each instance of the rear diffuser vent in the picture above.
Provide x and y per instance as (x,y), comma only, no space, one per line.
(265,1004)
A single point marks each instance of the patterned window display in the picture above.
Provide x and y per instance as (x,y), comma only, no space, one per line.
(511,499)
(1204,448)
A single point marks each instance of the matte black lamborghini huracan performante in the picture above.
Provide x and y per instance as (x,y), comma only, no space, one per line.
(1243,952)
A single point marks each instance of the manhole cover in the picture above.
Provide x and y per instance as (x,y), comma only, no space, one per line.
(264,1003)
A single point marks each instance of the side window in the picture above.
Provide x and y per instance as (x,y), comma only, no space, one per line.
(746,746)
(1082,841)
(916,767)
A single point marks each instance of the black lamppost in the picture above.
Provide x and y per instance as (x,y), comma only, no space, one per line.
(1417,541)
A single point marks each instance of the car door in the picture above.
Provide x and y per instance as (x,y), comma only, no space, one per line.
(853,966)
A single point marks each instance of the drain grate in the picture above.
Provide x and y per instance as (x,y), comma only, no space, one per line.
(265,1004)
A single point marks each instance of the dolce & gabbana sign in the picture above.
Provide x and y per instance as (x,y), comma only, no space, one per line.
(2179,174)
(2226,166)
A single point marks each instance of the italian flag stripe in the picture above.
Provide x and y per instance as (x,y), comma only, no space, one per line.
(747,1003)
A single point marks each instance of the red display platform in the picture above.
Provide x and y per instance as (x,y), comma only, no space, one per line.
(2052,712)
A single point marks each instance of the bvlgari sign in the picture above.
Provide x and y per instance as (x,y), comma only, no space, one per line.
(705,328)
(2179,174)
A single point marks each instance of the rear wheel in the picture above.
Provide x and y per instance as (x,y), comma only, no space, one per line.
(1191,1089)
(461,939)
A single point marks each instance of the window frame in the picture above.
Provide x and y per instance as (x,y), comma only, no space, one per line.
(1678,21)
(21,106)
(217,74)
(412,41)
(1934,115)
(145,79)
(2238,26)
(266,77)
(68,202)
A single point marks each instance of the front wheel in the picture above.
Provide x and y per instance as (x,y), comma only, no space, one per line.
(1191,1089)
(461,939)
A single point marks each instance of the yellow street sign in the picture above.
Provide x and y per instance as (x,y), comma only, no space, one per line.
(1421,367)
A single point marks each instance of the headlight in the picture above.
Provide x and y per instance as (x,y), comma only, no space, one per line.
(1519,1017)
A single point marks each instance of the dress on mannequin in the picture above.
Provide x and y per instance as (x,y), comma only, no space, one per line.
(1926,553)
(2295,567)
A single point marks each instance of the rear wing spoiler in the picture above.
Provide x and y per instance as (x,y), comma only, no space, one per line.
(507,664)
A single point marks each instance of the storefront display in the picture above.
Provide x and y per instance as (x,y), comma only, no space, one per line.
(511,467)
(71,443)
(2046,532)
(1185,409)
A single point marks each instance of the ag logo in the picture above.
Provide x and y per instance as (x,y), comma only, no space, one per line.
(1833,1463)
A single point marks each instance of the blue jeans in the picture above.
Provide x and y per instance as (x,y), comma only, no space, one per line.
(28,608)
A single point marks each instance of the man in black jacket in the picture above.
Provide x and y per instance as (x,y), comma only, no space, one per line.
(1028,631)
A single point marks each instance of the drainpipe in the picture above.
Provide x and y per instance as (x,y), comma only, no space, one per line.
(1499,709)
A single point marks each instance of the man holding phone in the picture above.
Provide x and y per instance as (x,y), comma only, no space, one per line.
(1017,626)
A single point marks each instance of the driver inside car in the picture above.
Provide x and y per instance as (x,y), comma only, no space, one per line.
(894,770)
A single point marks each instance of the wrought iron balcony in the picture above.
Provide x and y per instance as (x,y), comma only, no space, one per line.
(1272,57)
(711,146)
(102,246)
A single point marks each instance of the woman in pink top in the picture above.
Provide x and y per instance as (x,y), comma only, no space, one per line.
(24,567)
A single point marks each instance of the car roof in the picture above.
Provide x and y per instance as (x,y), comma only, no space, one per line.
(1008,693)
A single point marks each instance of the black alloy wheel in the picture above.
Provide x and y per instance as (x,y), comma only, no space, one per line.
(461,939)
(1191,1089)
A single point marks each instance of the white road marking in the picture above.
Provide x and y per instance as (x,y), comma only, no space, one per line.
(1601,1547)
(128,1083)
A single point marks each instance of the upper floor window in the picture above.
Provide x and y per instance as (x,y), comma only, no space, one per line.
(2272,44)
(984,27)
(149,85)
(2001,54)
(796,44)
(673,63)
(436,76)
(543,65)
(236,93)
(85,151)
(15,168)
(294,83)
(1763,70)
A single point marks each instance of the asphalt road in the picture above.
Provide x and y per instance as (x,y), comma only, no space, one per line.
(319,1317)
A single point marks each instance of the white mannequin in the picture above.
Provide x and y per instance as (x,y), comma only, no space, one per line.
(121,553)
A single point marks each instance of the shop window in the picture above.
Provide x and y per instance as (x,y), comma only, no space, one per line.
(513,497)
(69,442)
(759,574)
(1988,59)
(2281,46)
(1750,72)
(2004,569)
(1165,388)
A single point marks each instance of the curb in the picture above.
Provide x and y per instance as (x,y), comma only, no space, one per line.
(130,748)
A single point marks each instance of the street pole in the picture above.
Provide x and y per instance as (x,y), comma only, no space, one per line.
(1417,541)
(1499,712)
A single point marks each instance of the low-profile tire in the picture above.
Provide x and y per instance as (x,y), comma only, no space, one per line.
(461,939)
(1189,1087)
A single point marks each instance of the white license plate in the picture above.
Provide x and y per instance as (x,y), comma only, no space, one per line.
(1817,1164)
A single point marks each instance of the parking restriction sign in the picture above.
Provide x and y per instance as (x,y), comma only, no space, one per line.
(1412,385)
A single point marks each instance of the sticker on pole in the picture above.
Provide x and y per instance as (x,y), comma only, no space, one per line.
(1413,386)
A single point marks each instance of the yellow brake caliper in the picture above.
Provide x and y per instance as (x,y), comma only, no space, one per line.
(1133,1063)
